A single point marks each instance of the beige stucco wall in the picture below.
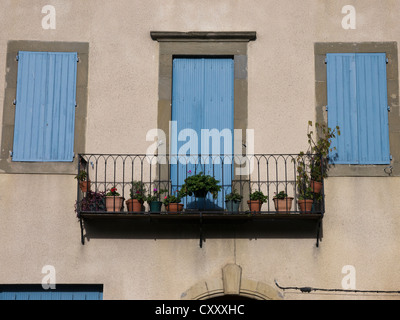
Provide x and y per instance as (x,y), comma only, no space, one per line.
(37,221)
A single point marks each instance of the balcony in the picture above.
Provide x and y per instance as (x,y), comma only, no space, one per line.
(272,174)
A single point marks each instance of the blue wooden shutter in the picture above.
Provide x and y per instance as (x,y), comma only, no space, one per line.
(357,103)
(342,106)
(202,98)
(373,123)
(45,106)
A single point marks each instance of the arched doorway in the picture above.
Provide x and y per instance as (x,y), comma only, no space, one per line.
(231,286)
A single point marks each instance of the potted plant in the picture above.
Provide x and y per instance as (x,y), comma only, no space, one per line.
(282,202)
(137,197)
(114,201)
(200,185)
(232,201)
(305,200)
(172,203)
(320,148)
(92,202)
(84,183)
(154,200)
(257,198)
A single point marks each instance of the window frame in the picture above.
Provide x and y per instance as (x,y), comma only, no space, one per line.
(390,49)
(8,120)
(202,44)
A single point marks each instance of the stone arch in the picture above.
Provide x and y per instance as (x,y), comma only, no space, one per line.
(231,284)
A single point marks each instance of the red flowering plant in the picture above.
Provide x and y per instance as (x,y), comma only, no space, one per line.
(171,198)
(113,192)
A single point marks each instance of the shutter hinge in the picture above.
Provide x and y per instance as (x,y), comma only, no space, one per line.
(388,108)
(326,60)
(17,57)
(77,58)
(387,60)
(390,157)
(11,154)
(326,108)
(15,102)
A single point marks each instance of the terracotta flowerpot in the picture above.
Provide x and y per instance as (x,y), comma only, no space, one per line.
(305,205)
(254,205)
(316,186)
(133,205)
(114,203)
(283,205)
(174,207)
(84,186)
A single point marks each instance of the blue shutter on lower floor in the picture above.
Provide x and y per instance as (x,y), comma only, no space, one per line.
(357,103)
(45,106)
(61,292)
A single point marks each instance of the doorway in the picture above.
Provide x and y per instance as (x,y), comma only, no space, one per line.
(203,123)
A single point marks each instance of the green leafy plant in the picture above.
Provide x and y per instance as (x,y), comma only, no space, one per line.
(320,146)
(81,176)
(303,176)
(280,195)
(172,199)
(234,196)
(258,195)
(155,196)
(306,194)
(199,185)
(138,191)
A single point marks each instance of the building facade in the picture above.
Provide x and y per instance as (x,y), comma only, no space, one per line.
(109,87)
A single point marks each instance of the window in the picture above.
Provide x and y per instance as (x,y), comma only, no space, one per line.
(32,141)
(357,103)
(45,106)
(208,45)
(357,88)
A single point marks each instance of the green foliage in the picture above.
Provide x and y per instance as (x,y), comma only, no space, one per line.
(314,164)
(138,191)
(258,195)
(172,199)
(155,196)
(81,176)
(320,147)
(234,196)
(281,195)
(199,185)
(306,194)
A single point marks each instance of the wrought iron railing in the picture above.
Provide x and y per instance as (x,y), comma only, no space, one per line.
(271,174)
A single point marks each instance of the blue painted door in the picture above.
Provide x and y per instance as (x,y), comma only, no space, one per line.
(357,103)
(45,106)
(202,111)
